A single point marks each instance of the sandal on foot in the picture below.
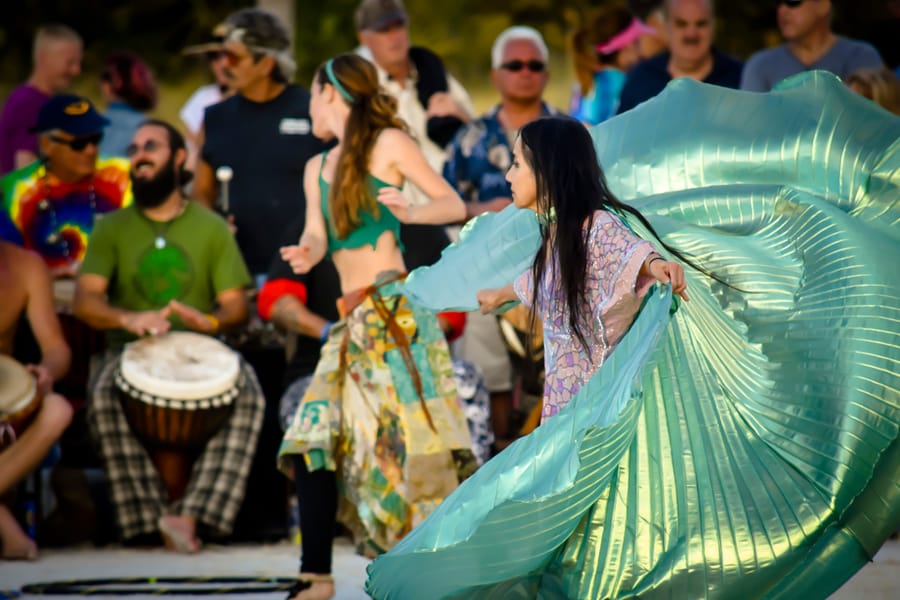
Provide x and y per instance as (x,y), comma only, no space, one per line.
(305,581)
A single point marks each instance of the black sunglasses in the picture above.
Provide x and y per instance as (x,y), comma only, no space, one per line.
(791,3)
(535,66)
(149,146)
(80,143)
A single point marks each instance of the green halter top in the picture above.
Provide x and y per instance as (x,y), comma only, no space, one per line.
(370,229)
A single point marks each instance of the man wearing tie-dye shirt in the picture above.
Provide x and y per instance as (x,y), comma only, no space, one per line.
(50,205)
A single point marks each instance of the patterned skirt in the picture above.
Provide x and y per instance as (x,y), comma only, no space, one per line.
(382,411)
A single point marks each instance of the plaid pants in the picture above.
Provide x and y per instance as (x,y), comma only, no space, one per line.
(218,477)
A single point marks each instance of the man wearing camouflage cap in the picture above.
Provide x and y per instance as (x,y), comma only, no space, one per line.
(258,140)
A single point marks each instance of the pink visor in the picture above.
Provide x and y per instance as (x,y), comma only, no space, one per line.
(624,38)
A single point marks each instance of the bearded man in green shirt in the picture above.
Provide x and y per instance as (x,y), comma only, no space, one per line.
(166,263)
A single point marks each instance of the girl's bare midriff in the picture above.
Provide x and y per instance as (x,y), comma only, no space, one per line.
(358,267)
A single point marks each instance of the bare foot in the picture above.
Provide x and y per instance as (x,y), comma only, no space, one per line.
(16,543)
(178,533)
(321,587)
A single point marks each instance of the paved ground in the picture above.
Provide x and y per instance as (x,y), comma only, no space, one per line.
(877,581)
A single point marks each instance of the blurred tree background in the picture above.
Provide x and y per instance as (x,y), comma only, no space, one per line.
(461,31)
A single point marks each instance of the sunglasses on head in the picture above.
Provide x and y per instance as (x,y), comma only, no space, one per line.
(791,3)
(78,144)
(535,66)
(149,146)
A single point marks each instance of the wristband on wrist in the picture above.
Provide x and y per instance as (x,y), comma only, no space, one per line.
(214,322)
(324,335)
(654,258)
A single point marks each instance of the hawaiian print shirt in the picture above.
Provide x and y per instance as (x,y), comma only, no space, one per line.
(479,156)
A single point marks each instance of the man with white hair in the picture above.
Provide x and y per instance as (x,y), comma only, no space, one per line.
(808,44)
(478,159)
(57,61)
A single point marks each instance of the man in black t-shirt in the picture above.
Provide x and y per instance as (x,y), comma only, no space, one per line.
(256,143)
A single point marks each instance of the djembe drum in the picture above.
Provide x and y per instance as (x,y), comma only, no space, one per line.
(19,399)
(178,389)
(524,343)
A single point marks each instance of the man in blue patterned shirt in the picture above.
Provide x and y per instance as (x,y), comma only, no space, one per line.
(476,166)
(482,150)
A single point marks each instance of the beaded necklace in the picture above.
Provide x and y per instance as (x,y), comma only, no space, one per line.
(47,207)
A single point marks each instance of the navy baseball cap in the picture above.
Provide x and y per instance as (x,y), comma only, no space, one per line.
(73,114)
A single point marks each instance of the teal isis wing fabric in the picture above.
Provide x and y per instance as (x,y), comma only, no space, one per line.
(493,249)
(752,451)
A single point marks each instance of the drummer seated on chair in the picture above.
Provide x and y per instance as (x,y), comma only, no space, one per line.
(166,263)
(25,289)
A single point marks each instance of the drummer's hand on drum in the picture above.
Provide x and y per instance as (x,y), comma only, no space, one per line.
(44,380)
(299,257)
(192,318)
(152,322)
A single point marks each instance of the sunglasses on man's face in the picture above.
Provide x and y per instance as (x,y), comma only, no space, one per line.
(232,59)
(149,146)
(535,66)
(791,3)
(78,144)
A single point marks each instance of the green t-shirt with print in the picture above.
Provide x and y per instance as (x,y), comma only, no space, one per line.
(191,259)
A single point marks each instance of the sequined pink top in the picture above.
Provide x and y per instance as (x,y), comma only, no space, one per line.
(614,290)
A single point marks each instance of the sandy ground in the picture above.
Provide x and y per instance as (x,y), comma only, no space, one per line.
(877,581)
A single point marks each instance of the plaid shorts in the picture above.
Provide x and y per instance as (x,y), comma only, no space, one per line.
(219,474)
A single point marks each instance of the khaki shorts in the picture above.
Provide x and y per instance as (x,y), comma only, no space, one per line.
(481,344)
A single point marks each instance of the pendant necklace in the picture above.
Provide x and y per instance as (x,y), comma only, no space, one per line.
(160,229)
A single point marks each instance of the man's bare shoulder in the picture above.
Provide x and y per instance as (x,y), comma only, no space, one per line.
(15,264)
(24,268)
(21,259)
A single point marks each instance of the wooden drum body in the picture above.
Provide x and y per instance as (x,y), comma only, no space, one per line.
(178,389)
(525,347)
(19,399)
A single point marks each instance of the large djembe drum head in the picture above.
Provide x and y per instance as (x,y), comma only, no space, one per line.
(178,389)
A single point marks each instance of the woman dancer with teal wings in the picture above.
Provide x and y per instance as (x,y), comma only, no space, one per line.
(743,447)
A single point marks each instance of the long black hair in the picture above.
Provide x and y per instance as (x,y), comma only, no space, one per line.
(570,188)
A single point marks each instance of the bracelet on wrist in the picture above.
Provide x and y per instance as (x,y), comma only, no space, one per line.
(213,321)
(655,258)
(324,335)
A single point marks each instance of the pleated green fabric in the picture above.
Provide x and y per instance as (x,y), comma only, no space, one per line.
(746,447)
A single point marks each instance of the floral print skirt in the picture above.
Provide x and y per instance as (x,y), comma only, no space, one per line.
(382,410)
